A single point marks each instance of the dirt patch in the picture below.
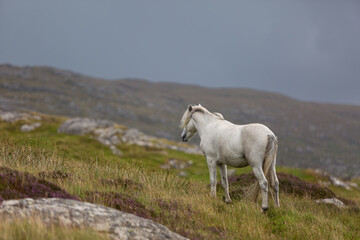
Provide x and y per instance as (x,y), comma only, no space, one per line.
(16,185)
(289,184)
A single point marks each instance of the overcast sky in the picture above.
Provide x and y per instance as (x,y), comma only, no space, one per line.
(306,49)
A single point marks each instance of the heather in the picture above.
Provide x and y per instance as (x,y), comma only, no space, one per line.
(290,184)
(16,185)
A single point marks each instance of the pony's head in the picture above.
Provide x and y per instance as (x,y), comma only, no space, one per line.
(188,126)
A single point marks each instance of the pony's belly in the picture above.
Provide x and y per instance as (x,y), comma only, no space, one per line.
(237,162)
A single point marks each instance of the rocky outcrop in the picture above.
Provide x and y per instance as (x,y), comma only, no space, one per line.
(110,134)
(81,126)
(344,184)
(117,224)
(104,131)
(332,180)
(17,116)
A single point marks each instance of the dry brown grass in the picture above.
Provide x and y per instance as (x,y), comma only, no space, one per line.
(34,228)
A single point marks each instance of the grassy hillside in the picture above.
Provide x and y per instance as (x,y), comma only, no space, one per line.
(310,134)
(135,183)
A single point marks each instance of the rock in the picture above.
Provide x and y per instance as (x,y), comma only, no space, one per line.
(17,116)
(336,181)
(176,164)
(183,174)
(109,134)
(102,130)
(347,185)
(133,135)
(71,213)
(30,127)
(81,126)
(333,201)
(353,185)
(116,151)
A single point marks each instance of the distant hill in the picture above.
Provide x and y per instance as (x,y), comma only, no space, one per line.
(310,134)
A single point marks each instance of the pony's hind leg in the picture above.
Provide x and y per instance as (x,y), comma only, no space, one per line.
(275,183)
(259,174)
(224,182)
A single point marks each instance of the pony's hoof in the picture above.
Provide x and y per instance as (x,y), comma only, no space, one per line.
(228,201)
(264,209)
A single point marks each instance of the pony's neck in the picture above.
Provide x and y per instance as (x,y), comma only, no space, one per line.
(201,121)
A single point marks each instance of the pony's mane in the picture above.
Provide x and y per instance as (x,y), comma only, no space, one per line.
(219,115)
(188,114)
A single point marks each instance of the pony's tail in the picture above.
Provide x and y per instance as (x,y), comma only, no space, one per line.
(253,191)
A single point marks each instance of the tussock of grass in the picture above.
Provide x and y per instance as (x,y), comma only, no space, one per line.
(136,184)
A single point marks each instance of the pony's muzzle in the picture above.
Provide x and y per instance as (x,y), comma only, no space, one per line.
(184,138)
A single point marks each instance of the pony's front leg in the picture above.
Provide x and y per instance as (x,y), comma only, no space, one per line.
(212,170)
(224,182)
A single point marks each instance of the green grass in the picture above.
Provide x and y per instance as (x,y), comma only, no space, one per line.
(182,204)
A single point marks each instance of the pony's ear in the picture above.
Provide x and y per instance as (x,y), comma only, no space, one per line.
(190,108)
(200,105)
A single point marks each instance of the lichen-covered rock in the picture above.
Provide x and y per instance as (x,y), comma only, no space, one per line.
(80,126)
(340,183)
(117,224)
(176,164)
(116,151)
(336,181)
(109,134)
(16,116)
(30,127)
(333,201)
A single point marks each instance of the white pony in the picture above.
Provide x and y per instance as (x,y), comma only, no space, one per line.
(224,143)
